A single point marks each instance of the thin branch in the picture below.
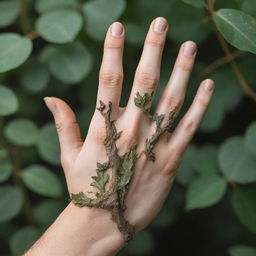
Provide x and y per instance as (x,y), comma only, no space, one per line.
(218,63)
(245,86)
(24,17)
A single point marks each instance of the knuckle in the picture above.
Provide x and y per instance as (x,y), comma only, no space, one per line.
(185,64)
(147,80)
(202,102)
(155,41)
(190,126)
(113,45)
(175,102)
(99,134)
(111,79)
(127,139)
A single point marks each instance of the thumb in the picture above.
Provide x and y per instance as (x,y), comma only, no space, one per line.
(67,128)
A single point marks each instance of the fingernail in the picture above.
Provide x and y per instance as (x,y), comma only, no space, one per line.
(116,29)
(189,49)
(208,85)
(160,24)
(50,104)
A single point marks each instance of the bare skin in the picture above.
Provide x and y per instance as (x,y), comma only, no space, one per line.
(90,231)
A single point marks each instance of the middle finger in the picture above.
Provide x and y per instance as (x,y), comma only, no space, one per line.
(148,70)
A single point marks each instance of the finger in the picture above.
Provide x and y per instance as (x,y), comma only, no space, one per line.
(148,70)
(188,125)
(111,71)
(67,128)
(174,93)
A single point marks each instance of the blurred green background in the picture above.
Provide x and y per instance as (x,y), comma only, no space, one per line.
(54,48)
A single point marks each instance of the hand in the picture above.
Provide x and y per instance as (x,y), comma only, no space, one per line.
(151,180)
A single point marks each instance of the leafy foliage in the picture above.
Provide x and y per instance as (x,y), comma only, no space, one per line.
(54,48)
(60,26)
(41,181)
(14,51)
(205,191)
(238,28)
(102,178)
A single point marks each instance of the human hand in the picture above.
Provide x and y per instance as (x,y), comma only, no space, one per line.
(151,180)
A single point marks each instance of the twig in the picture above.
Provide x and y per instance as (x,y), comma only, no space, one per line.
(218,63)
(24,17)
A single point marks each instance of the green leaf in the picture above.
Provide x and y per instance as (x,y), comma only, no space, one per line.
(249,6)
(142,244)
(102,178)
(236,163)
(238,28)
(250,138)
(9,102)
(47,211)
(48,144)
(242,250)
(99,14)
(14,51)
(60,26)
(195,3)
(4,156)
(35,76)
(21,131)
(205,191)
(41,181)
(11,201)
(48,5)
(5,171)
(126,169)
(9,11)
(69,63)
(23,239)
(243,201)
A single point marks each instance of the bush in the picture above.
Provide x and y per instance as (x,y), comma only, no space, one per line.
(55,47)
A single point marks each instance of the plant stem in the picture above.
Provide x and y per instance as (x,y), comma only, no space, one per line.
(218,63)
(245,86)
(32,35)
(24,17)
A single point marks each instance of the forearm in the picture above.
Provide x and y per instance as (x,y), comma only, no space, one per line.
(79,232)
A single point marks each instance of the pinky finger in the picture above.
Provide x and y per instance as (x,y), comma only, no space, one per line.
(188,125)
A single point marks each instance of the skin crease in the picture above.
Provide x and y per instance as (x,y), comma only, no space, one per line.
(92,230)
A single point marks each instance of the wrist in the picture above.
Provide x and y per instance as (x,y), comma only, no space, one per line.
(101,234)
